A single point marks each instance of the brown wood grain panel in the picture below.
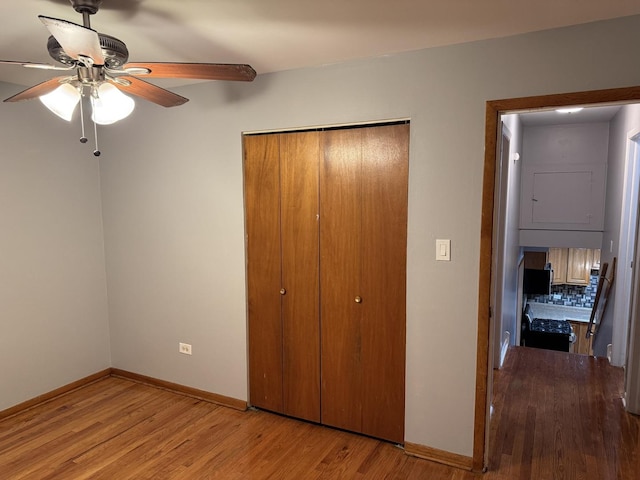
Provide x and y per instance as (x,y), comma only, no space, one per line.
(262,214)
(43,88)
(151,92)
(199,71)
(340,271)
(486,236)
(335,369)
(299,163)
(385,162)
(440,456)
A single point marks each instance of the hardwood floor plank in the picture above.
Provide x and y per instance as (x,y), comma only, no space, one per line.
(556,416)
(12,428)
(140,445)
(575,426)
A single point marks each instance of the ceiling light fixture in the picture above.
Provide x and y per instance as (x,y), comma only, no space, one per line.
(569,110)
(108,103)
(62,101)
(98,68)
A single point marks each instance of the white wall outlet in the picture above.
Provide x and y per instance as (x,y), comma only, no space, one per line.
(184,348)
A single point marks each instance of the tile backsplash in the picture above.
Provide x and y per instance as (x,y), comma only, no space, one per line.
(571,295)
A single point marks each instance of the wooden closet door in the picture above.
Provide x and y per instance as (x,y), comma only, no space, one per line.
(385,154)
(281,202)
(327,304)
(299,162)
(363,209)
(262,216)
(340,244)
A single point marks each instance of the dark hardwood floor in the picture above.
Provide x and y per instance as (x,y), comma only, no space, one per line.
(557,416)
(560,416)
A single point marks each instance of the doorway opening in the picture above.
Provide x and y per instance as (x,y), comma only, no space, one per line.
(491,224)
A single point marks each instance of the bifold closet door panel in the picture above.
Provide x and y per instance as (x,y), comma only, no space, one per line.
(385,154)
(299,163)
(326,215)
(363,212)
(340,272)
(262,214)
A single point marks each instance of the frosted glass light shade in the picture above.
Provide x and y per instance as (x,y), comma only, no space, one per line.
(110,105)
(62,101)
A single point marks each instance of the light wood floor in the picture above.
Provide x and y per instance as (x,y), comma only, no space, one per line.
(557,416)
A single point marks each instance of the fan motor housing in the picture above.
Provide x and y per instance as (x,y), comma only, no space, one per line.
(114,51)
(86,6)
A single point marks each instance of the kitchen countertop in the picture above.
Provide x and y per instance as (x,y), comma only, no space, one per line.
(559,312)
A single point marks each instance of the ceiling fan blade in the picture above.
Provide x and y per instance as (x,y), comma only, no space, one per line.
(42,66)
(37,90)
(199,71)
(148,91)
(76,41)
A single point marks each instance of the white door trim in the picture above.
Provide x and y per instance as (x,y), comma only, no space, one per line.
(627,241)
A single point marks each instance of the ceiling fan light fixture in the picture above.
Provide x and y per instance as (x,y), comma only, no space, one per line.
(110,105)
(101,65)
(569,110)
(62,101)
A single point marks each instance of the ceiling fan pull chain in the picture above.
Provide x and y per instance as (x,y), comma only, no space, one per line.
(96,152)
(83,138)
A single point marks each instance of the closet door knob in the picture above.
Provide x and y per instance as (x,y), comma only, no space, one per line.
(283,291)
(358,299)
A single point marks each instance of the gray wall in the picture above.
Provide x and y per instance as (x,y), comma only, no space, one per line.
(512,250)
(172,198)
(614,325)
(173,205)
(53,306)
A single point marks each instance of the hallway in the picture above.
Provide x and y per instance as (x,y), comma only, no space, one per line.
(560,416)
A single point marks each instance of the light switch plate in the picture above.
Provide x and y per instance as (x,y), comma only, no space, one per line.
(443,250)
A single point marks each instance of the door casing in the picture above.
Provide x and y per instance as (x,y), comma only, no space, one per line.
(493,111)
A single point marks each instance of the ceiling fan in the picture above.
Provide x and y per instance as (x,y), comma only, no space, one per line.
(97,65)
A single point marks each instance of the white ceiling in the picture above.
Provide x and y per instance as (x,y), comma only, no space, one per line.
(590,114)
(276,35)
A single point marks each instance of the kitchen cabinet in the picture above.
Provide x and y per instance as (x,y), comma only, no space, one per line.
(595,264)
(579,262)
(582,345)
(572,266)
(557,257)
(326,219)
